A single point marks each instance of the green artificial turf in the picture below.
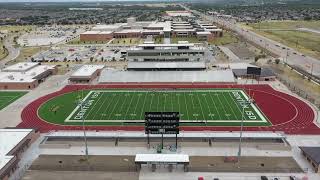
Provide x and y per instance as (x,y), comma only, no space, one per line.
(214,107)
(8,97)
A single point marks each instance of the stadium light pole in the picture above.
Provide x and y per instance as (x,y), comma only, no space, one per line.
(247,102)
(84,131)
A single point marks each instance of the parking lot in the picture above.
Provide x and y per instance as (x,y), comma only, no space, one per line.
(81,54)
(49,35)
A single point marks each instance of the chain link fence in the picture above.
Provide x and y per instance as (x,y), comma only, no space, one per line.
(302,93)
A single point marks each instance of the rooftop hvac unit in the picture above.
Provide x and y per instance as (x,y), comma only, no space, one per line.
(20,66)
(33,74)
(21,79)
(11,77)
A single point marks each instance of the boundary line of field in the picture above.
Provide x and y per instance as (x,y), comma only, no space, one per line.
(262,117)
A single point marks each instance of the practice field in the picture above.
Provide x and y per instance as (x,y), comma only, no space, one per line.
(8,97)
(214,107)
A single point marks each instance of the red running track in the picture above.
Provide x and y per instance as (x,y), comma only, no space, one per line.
(287,113)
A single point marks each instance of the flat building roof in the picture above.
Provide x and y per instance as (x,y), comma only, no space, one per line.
(86,71)
(25,76)
(20,67)
(117,76)
(9,139)
(167,65)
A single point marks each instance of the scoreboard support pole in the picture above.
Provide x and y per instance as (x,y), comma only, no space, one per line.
(148,137)
(161,140)
(176,140)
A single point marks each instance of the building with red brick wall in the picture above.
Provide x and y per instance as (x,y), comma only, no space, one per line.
(25,75)
(96,36)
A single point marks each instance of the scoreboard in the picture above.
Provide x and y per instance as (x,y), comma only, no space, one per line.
(162,122)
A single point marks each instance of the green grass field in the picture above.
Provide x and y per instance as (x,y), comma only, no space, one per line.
(286,32)
(3,51)
(219,107)
(8,97)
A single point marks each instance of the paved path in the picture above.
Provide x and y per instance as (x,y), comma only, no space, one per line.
(12,113)
(13,52)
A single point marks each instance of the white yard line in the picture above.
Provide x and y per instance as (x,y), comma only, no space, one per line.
(135,108)
(113,108)
(176,91)
(76,109)
(187,121)
(210,115)
(178,101)
(101,105)
(200,106)
(110,100)
(125,115)
(237,104)
(214,104)
(144,102)
(224,97)
(254,107)
(222,105)
(93,107)
(123,103)
(185,102)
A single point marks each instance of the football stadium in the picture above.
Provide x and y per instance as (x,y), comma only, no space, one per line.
(212,107)
(202,106)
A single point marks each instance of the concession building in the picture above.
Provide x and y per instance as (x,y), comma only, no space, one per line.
(86,74)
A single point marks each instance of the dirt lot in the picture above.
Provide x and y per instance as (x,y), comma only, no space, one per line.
(247,164)
(79,163)
(80,175)
(243,50)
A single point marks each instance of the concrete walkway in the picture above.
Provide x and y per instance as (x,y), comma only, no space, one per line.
(12,113)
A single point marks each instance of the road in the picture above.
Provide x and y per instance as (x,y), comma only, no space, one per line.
(286,54)
(13,52)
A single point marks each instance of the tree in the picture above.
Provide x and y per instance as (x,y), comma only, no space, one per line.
(91,59)
(277,61)
(101,59)
(256,58)
(65,59)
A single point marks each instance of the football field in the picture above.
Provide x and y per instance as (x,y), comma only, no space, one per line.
(206,107)
(8,97)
